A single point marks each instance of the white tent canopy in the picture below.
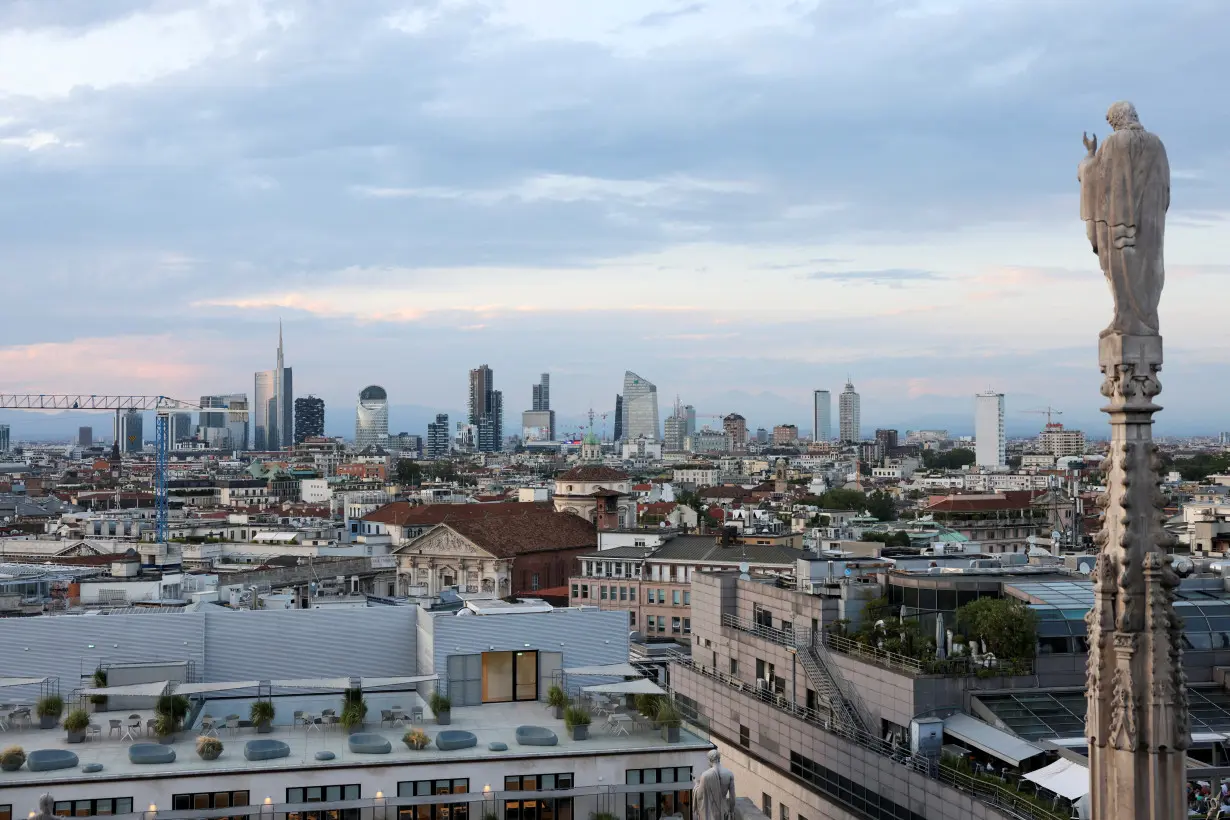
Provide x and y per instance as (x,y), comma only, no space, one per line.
(148,690)
(372,683)
(21,681)
(220,686)
(312,683)
(611,669)
(1064,777)
(640,686)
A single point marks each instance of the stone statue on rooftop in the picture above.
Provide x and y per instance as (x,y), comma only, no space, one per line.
(1125,191)
(713,796)
(46,808)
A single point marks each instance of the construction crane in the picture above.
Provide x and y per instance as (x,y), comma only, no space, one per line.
(1048,411)
(162,406)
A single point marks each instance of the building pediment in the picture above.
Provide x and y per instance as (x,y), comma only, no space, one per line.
(443,540)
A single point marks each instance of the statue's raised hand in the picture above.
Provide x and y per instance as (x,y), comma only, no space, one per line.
(1091,143)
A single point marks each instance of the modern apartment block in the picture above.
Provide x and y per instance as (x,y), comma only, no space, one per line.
(822,416)
(4,438)
(438,438)
(849,410)
(735,426)
(309,418)
(990,446)
(1059,441)
(542,393)
(487,410)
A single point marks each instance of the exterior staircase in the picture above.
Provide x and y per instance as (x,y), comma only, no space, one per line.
(844,703)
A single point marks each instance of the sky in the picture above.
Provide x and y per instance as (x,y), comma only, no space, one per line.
(740,200)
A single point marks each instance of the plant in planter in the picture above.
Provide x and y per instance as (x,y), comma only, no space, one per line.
(557,699)
(671,719)
(442,708)
(75,724)
(354,710)
(261,714)
(50,707)
(100,680)
(12,758)
(577,719)
(648,706)
(166,727)
(209,748)
(416,739)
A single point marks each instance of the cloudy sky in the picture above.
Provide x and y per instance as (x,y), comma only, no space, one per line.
(741,200)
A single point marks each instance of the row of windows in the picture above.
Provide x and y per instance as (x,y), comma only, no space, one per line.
(616,592)
(848,792)
(88,808)
(209,800)
(323,794)
(657,623)
(654,805)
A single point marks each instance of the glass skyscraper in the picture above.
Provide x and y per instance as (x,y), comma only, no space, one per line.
(640,409)
(371,424)
(274,408)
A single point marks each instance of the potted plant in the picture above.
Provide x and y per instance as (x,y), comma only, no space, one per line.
(99,702)
(670,718)
(208,747)
(577,719)
(50,707)
(354,711)
(12,758)
(416,739)
(648,706)
(442,708)
(557,700)
(166,727)
(261,715)
(76,723)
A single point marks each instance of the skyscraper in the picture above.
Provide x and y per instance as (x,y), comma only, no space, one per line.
(619,418)
(371,424)
(822,416)
(689,413)
(640,408)
(85,436)
(848,411)
(674,435)
(275,408)
(542,393)
(735,426)
(309,418)
(990,447)
(132,435)
(222,429)
(487,409)
(4,438)
(179,427)
(438,437)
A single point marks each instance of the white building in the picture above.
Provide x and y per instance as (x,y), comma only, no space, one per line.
(822,416)
(990,446)
(849,411)
(642,449)
(315,490)
(640,408)
(1060,442)
(371,425)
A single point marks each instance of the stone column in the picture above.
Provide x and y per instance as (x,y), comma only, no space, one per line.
(1137,722)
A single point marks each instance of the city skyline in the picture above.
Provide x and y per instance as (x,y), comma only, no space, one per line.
(362,238)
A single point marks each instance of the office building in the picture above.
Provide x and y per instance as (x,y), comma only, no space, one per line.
(309,418)
(220,429)
(132,436)
(990,446)
(762,435)
(735,426)
(1060,442)
(849,419)
(640,409)
(487,410)
(371,424)
(538,425)
(4,438)
(405,445)
(785,435)
(85,436)
(689,413)
(822,416)
(542,394)
(708,441)
(887,439)
(274,405)
(179,427)
(437,445)
(619,417)
(674,432)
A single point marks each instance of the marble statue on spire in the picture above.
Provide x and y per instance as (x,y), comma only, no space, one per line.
(713,796)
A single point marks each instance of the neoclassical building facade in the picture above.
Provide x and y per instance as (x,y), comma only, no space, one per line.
(598,494)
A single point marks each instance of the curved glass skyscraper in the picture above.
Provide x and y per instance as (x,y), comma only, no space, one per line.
(371,424)
(640,408)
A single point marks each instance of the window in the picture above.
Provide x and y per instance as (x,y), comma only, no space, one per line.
(846,792)
(766,804)
(623,593)
(559,808)
(534,581)
(323,794)
(762,616)
(604,592)
(86,808)
(632,618)
(661,596)
(745,736)
(734,666)
(687,626)
(783,811)
(652,804)
(687,598)
(675,626)
(434,811)
(585,591)
(575,591)
(208,800)
(676,597)
(6,811)
(631,593)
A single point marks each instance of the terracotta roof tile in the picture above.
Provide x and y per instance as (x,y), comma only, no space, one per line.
(535,530)
(404,514)
(593,472)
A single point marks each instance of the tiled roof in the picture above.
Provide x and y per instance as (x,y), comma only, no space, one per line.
(705,548)
(725,491)
(535,530)
(405,514)
(1008,500)
(620,552)
(592,472)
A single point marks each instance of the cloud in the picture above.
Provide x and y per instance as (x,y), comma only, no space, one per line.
(889,276)
(35,140)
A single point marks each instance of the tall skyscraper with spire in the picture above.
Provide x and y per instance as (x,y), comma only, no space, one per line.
(275,405)
(849,411)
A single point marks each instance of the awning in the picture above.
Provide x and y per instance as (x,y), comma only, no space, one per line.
(983,736)
(21,681)
(640,686)
(312,683)
(1064,777)
(613,669)
(146,690)
(220,686)
(373,683)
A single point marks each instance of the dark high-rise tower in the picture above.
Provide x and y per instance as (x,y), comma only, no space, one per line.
(542,393)
(486,409)
(437,437)
(619,417)
(309,418)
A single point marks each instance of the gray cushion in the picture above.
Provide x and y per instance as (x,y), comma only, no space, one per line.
(369,743)
(46,760)
(497,746)
(150,753)
(455,739)
(90,768)
(536,736)
(265,750)
(324,755)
